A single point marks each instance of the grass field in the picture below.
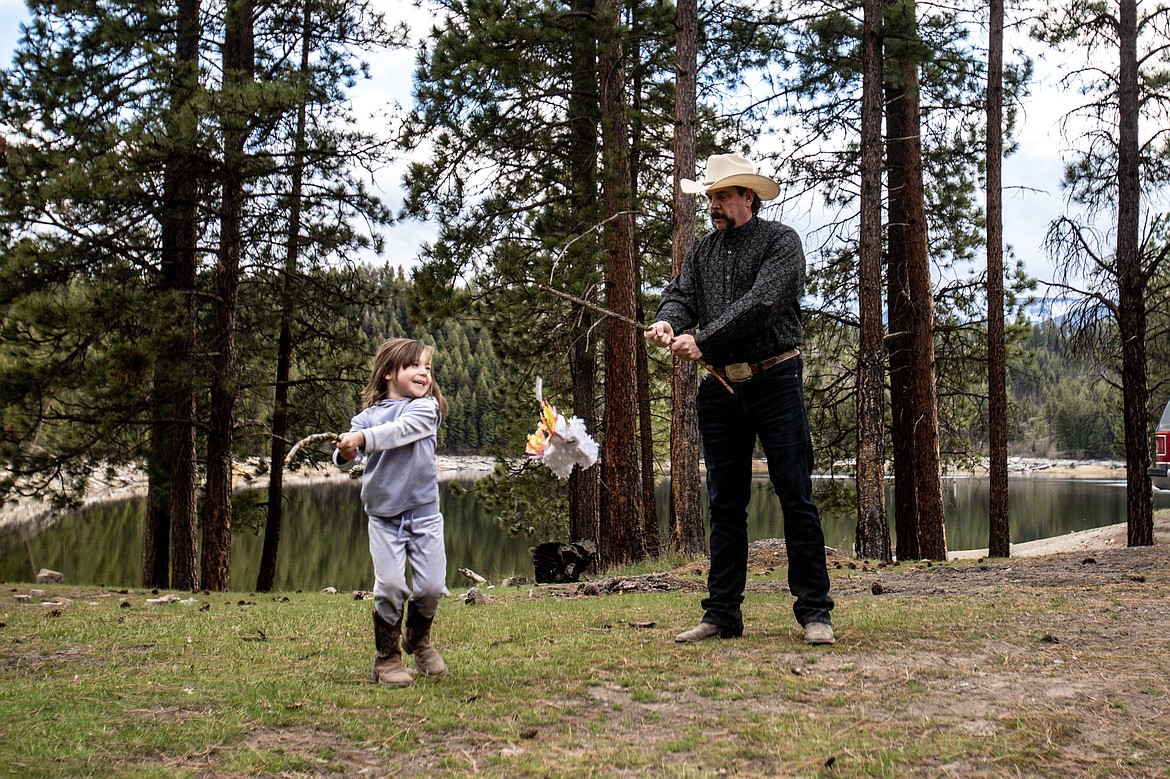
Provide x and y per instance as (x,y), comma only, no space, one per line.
(1048,666)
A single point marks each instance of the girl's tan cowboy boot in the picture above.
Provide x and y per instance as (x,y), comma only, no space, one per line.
(417,642)
(388,668)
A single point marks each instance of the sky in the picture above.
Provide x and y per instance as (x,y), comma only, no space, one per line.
(1031,177)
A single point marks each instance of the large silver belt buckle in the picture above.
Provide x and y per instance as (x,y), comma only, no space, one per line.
(738,371)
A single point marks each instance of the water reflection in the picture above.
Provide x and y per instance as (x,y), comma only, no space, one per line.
(325,542)
(324,539)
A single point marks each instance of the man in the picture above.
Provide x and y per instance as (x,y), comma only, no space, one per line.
(735,304)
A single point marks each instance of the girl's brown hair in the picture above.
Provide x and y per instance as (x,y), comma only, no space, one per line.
(392,355)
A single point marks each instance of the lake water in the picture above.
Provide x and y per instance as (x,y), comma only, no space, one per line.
(324,538)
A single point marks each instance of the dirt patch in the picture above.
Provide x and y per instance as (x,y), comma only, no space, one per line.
(1071,571)
(1098,680)
(617,585)
(315,752)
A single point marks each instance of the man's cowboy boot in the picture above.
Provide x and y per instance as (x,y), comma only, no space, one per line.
(417,642)
(819,633)
(704,631)
(388,668)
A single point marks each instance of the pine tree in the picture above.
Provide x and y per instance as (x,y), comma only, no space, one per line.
(236,104)
(999,530)
(686,511)
(821,84)
(873,532)
(99,242)
(516,92)
(171,516)
(1111,173)
(79,204)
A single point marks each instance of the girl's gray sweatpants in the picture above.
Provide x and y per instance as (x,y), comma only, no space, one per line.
(417,538)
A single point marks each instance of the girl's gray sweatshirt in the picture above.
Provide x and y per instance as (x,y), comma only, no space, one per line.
(399,454)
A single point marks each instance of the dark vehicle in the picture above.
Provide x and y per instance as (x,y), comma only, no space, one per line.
(1160,472)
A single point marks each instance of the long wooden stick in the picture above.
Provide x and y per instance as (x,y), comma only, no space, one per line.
(310,439)
(594,307)
(627,320)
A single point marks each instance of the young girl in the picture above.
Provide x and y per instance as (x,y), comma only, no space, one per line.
(394,434)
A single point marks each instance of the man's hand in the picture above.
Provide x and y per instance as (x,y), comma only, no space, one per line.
(659,334)
(349,443)
(685,348)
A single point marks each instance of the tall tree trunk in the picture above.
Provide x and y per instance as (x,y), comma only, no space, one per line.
(275,519)
(899,344)
(584,485)
(919,301)
(170,548)
(217,509)
(621,523)
(650,529)
(999,531)
(1131,289)
(932,538)
(873,530)
(686,507)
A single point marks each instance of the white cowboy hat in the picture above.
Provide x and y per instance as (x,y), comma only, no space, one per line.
(731,170)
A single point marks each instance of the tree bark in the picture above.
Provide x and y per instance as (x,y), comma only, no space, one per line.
(184,501)
(584,485)
(156,538)
(275,519)
(686,508)
(217,514)
(650,529)
(1131,288)
(621,524)
(932,539)
(170,546)
(999,531)
(899,345)
(873,531)
(919,294)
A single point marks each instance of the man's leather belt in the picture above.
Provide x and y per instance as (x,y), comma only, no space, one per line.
(742,371)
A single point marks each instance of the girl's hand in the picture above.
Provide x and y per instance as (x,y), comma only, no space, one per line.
(349,443)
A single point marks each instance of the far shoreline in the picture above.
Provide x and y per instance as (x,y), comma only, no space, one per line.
(31,512)
(1042,467)
(130,483)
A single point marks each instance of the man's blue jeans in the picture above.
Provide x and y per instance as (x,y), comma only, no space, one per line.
(769,406)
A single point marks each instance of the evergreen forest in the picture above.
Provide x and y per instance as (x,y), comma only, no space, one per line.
(193,271)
